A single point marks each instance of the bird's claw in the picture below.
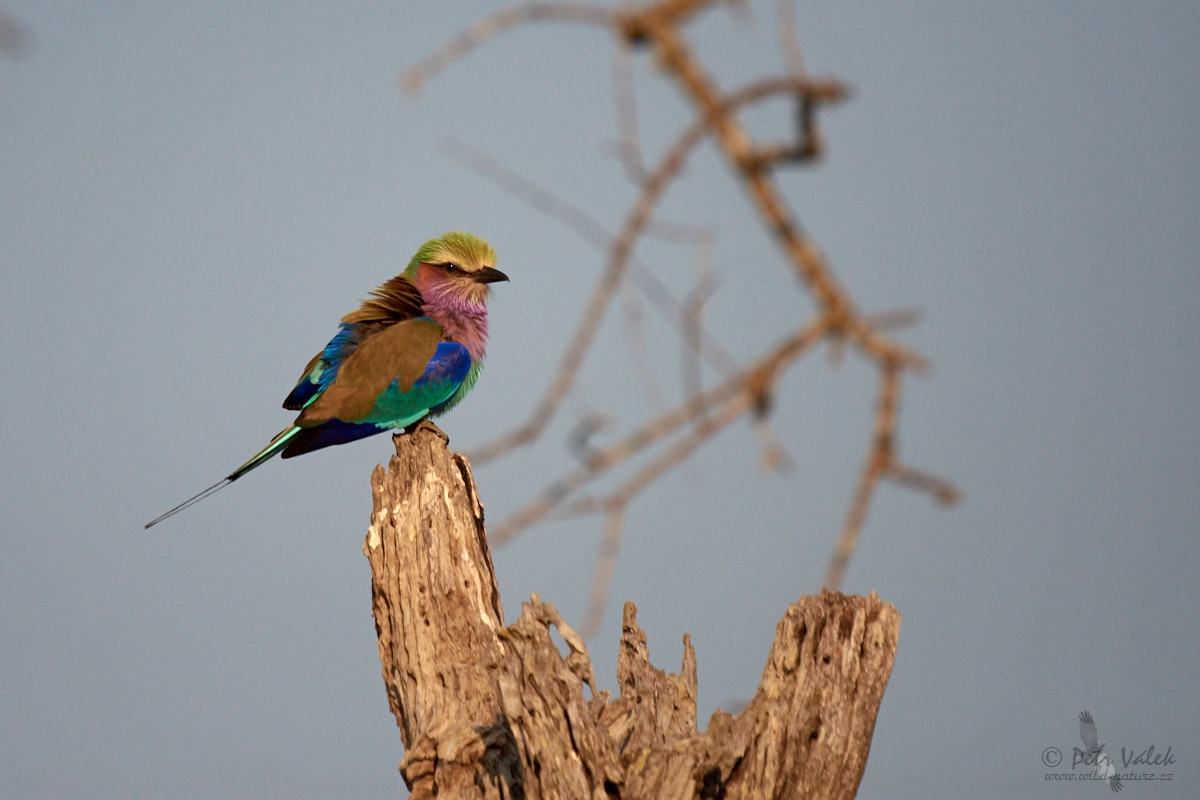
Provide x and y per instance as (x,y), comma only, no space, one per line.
(416,426)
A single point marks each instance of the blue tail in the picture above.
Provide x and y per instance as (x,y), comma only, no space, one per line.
(326,435)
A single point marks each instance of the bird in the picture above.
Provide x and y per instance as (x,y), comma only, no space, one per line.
(411,350)
(1095,748)
(1087,732)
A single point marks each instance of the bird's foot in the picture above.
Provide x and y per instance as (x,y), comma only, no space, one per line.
(416,426)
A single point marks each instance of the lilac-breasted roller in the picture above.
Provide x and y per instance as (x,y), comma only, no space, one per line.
(412,350)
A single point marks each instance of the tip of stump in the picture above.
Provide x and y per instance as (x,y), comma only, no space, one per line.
(417,427)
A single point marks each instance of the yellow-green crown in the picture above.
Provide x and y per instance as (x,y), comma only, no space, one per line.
(464,249)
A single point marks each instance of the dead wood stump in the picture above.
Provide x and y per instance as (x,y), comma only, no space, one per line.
(493,711)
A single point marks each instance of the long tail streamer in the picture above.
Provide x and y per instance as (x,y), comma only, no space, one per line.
(216,487)
(276,444)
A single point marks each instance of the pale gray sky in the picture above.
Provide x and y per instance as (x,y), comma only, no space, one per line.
(192,194)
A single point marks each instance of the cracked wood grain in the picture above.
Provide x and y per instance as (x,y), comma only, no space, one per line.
(488,710)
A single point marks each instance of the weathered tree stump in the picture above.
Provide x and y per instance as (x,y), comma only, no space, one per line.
(493,711)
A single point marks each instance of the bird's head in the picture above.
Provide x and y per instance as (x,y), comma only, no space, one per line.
(455,268)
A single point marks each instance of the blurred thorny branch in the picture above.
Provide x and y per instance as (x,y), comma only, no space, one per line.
(743,390)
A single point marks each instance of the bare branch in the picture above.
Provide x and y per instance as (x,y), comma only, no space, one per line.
(944,492)
(878,461)
(639,356)
(618,501)
(618,259)
(789,38)
(894,320)
(750,382)
(736,142)
(592,232)
(579,441)
(498,23)
(702,236)
(775,457)
(693,339)
(636,21)
(703,287)
(628,144)
(636,222)
(881,321)
(602,572)
(657,25)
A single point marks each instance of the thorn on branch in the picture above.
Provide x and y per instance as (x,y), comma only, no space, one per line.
(774,457)
(944,493)
(760,385)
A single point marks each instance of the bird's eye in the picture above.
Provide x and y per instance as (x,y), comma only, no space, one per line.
(451,267)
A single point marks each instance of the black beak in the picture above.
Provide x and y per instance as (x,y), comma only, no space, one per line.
(489,275)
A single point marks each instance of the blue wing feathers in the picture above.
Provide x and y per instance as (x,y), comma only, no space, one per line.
(317,379)
(449,366)
(304,392)
(443,375)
